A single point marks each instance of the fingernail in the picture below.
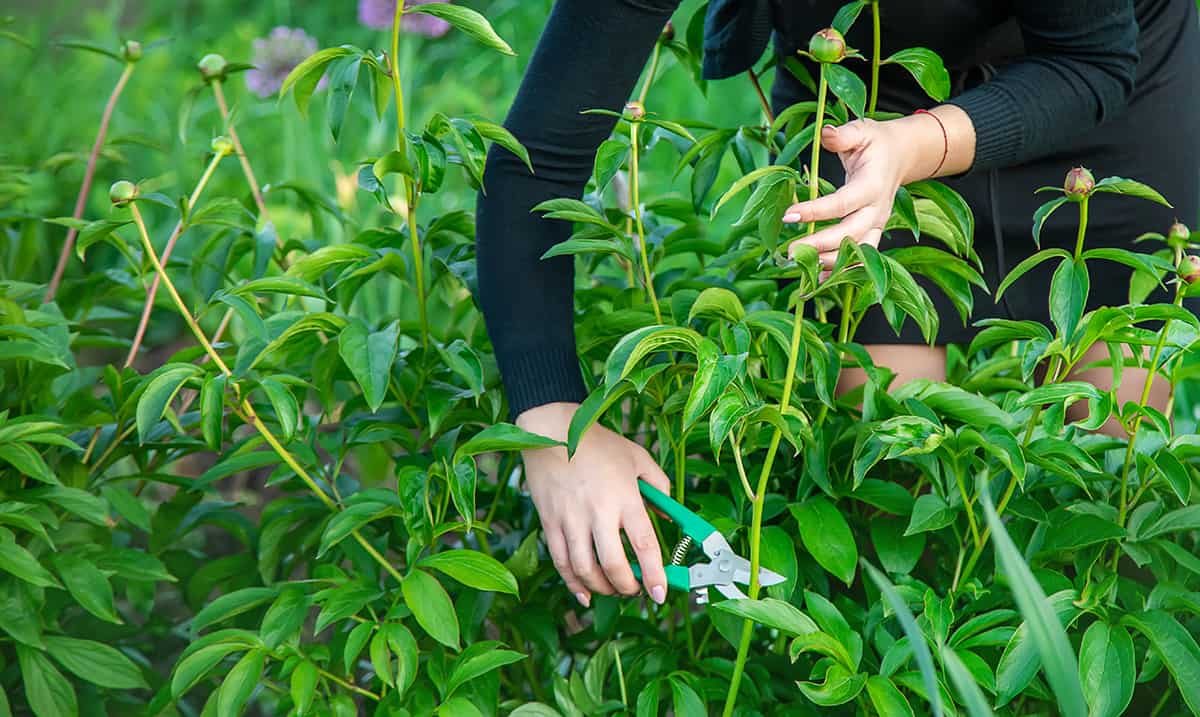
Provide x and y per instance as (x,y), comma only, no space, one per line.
(583,599)
(791,218)
(658,594)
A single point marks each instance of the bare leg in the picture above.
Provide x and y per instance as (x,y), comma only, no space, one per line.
(1132,382)
(909,362)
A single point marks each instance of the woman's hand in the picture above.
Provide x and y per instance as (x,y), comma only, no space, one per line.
(879,157)
(586,502)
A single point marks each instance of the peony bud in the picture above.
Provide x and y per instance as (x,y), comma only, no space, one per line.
(1189,269)
(1079,184)
(222,145)
(132,50)
(827,46)
(212,66)
(1178,235)
(668,33)
(122,192)
(635,110)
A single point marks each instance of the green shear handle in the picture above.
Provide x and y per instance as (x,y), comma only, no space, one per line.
(692,525)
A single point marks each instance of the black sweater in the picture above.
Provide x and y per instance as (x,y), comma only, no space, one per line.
(1075,66)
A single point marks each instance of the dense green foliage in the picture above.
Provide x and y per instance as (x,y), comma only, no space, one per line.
(298,494)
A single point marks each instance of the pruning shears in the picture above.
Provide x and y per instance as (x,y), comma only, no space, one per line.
(724,568)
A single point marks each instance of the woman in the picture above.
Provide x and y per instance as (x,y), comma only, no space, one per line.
(1038,87)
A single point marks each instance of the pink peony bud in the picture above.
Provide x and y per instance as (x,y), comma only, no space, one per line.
(122,192)
(1079,184)
(1189,269)
(635,110)
(827,46)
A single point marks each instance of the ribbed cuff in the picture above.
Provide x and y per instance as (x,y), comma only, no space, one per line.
(534,378)
(999,126)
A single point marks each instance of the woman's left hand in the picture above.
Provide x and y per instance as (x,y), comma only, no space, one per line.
(878,158)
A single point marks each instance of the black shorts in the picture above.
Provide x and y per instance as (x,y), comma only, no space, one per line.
(1155,140)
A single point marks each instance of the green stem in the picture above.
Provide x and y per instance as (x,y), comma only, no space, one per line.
(408,189)
(637,214)
(255,189)
(88,174)
(759,499)
(962,489)
(650,74)
(1083,220)
(814,174)
(875,58)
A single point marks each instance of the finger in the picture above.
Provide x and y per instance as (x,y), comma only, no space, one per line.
(851,197)
(652,473)
(846,138)
(583,561)
(872,236)
(607,536)
(649,555)
(557,544)
(830,238)
(827,259)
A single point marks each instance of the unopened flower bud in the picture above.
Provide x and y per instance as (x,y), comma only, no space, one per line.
(1079,184)
(212,66)
(1178,234)
(635,110)
(827,46)
(122,193)
(222,145)
(668,33)
(132,50)
(1189,269)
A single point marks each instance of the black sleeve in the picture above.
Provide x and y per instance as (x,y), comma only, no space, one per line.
(1079,68)
(590,56)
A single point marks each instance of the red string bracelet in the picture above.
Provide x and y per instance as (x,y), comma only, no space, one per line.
(945,140)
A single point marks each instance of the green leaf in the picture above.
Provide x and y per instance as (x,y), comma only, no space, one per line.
(637,345)
(827,537)
(1020,661)
(916,638)
(473,569)
(95,662)
(609,159)
(887,700)
(777,614)
(501,136)
(240,683)
(1177,520)
(1130,188)
(49,693)
(466,20)
(1068,295)
(404,647)
(1177,649)
(369,356)
(1107,669)
(898,553)
(590,411)
(159,394)
(960,220)
(284,405)
(719,303)
(589,245)
(304,686)
(535,709)
(28,462)
(753,177)
(212,410)
(92,47)
(478,665)
(846,15)
(87,584)
(1058,659)
(350,519)
(847,86)
(194,667)
(231,605)
(285,617)
(463,480)
(17,561)
(968,689)
(840,685)
(926,68)
(714,375)
(502,437)
(1039,220)
(684,699)
(929,513)
(305,76)
(430,604)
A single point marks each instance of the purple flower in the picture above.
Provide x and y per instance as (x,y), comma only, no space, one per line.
(378,15)
(275,56)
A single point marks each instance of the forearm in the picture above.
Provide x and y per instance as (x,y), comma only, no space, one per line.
(939,146)
(589,56)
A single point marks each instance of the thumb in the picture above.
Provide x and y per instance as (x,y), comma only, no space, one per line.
(848,137)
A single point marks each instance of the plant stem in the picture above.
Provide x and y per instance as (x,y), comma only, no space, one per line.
(962,489)
(637,214)
(409,189)
(650,74)
(255,190)
(1083,220)
(347,685)
(759,499)
(814,174)
(89,173)
(875,58)
(247,410)
(152,292)
(762,99)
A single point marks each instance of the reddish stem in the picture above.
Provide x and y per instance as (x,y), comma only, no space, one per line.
(237,146)
(86,187)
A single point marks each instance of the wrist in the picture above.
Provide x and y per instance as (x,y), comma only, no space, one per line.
(549,419)
(938,143)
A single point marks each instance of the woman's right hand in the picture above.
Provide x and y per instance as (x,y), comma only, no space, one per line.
(586,502)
